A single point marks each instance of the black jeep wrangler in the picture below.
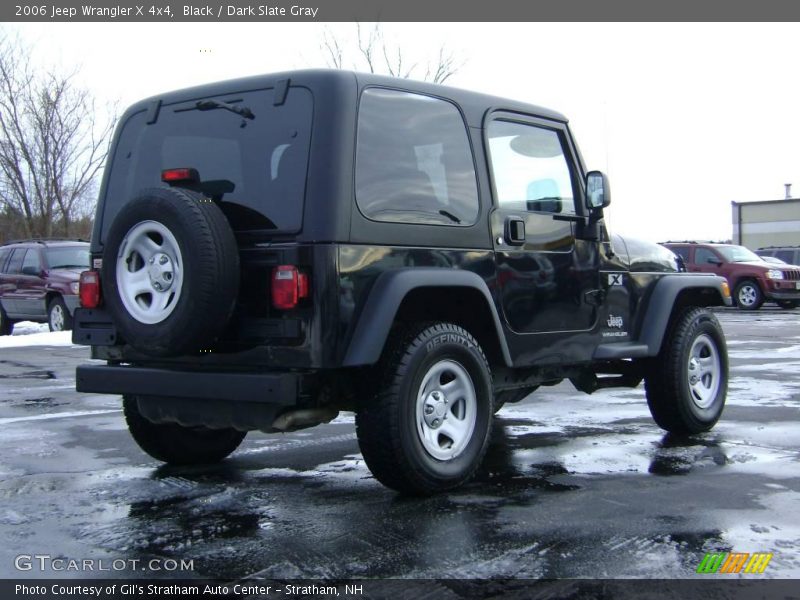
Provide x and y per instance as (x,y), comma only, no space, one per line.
(272,250)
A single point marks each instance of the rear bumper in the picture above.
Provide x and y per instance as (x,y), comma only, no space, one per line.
(269,388)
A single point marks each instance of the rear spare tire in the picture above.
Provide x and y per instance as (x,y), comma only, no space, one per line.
(170,271)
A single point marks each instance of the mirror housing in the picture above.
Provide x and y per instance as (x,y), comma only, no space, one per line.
(598,191)
(31,271)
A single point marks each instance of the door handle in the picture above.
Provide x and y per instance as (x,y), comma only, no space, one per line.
(515,231)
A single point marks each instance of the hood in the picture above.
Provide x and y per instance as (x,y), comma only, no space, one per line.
(641,255)
(65,275)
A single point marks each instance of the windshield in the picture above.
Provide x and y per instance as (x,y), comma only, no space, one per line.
(738,254)
(67,258)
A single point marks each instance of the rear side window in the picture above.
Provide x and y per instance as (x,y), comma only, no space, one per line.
(413,160)
(4,252)
(257,166)
(15,264)
(681,251)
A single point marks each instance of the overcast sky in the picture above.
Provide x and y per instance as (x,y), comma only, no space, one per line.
(684,118)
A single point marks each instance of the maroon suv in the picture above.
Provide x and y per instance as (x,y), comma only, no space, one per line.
(39,282)
(752,279)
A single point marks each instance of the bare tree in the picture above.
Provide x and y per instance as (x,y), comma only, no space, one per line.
(375,54)
(53,144)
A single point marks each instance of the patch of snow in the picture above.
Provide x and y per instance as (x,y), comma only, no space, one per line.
(41,338)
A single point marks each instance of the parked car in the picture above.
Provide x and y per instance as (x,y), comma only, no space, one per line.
(752,279)
(788,254)
(39,282)
(280,248)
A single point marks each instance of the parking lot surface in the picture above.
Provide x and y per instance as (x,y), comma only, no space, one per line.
(573,486)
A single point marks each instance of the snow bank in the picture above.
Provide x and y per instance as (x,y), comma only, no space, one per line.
(27,333)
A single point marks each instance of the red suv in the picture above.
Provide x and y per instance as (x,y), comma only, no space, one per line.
(752,279)
(39,282)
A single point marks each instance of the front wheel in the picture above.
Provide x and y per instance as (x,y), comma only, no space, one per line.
(425,426)
(58,317)
(748,295)
(687,382)
(178,445)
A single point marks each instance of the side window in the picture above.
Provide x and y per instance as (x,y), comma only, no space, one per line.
(32,260)
(682,251)
(4,252)
(702,256)
(530,168)
(413,160)
(15,264)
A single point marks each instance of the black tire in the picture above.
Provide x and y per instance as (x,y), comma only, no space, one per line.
(58,317)
(788,304)
(748,295)
(674,404)
(6,324)
(178,445)
(209,273)
(389,423)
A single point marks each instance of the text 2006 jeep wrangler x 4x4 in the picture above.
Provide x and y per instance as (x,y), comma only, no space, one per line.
(271,250)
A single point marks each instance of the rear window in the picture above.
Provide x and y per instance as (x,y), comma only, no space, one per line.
(258,166)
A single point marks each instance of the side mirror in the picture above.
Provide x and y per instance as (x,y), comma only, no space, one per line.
(713,260)
(598,191)
(33,271)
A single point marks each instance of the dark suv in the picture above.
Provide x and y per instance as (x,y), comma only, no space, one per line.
(752,279)
(39,282)
(788,254)
(280,248)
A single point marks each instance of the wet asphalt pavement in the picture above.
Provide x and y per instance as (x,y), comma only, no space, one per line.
(574,486)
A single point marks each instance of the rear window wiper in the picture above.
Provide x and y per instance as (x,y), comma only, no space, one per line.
(242,111)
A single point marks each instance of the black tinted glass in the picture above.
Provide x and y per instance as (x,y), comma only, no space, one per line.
(258,166)
(414,162)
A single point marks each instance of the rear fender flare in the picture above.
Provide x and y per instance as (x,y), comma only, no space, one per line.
(387,295)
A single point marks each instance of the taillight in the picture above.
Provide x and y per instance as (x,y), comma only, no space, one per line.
(180,176)
(289,286)
(89,289)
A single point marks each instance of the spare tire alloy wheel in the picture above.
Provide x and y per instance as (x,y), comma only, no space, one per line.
(170,272)
(149,272)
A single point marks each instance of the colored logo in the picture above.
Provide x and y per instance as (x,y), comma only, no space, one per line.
(734,562)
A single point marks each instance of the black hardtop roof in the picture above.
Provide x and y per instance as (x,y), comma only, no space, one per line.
(314,78)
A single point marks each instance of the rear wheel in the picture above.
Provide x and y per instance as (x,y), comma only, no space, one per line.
(58,317)
(6,325)
(178,445)
(425,426)
(687,382)
(748,295)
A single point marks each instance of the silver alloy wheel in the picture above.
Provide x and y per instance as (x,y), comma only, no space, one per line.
(149,272)
(747,295)
(57,318)
(704,372)
(447,409)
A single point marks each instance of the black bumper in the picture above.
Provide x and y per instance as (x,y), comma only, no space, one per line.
(269,388)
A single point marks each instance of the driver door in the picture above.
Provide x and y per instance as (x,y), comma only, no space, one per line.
(545,275)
